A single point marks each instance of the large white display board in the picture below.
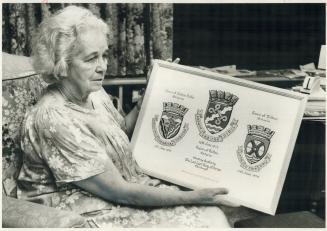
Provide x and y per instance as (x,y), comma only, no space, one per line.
(201,129)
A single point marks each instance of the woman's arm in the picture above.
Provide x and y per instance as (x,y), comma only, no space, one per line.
(131,117)
(112,187)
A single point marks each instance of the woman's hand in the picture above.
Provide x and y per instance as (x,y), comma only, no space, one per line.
(213,196)
(111,186)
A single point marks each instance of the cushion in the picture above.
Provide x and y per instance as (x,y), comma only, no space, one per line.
(14,66)
(17,95)
(23,214)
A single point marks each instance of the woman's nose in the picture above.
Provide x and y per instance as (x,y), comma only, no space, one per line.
(101,65)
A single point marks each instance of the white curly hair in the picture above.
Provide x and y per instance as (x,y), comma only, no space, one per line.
(54,43)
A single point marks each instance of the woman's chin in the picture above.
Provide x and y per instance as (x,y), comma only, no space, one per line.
(96,86)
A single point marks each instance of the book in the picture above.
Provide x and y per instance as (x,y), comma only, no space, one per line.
(200,129)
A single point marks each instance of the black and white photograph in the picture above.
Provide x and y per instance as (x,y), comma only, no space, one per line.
(163,115)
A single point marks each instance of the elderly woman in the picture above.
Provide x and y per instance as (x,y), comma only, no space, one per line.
(76,151)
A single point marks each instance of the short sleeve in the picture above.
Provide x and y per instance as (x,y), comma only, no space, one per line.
(68,146)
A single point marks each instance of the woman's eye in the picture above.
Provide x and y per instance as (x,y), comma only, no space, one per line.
(92,59)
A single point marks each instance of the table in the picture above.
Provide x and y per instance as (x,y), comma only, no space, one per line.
(304,187)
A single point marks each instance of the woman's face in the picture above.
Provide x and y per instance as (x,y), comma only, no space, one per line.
(89,64)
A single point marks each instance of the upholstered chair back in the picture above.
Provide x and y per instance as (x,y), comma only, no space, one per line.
(21,88)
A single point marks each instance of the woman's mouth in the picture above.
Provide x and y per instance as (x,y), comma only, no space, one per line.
(97,80)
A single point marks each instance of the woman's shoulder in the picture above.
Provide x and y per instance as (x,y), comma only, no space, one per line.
(50,100)
(46,113)
(48,104)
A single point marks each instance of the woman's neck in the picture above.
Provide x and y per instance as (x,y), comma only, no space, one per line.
(72,94)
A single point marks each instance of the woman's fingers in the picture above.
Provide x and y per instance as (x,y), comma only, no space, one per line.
(218,196)
(223,200)
(215,191)
(219,191)
(177,60)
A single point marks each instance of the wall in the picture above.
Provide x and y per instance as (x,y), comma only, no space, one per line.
(253,36)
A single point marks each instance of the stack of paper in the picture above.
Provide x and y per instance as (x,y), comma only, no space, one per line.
(315,109)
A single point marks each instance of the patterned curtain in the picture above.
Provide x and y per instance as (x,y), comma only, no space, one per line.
(139,32)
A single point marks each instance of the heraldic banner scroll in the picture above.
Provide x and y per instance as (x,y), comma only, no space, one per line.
(201,129)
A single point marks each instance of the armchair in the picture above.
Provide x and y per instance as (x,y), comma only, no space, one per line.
(21,87)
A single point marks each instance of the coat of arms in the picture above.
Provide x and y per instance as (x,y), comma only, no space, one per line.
(256,146)
(171,119)
(219,110)
(217,116)
(257,143)
(170,124)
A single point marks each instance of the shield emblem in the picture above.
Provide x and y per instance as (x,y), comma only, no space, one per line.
(219,110)
(257,143)
(171,119)
(255,148)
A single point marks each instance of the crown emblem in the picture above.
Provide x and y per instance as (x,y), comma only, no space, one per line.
(222,96)
(260,131)
(174,108)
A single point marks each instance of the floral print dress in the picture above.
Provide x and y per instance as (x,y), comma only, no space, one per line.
(63,143)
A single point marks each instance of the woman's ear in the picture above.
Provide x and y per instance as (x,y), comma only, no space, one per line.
(61,68)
